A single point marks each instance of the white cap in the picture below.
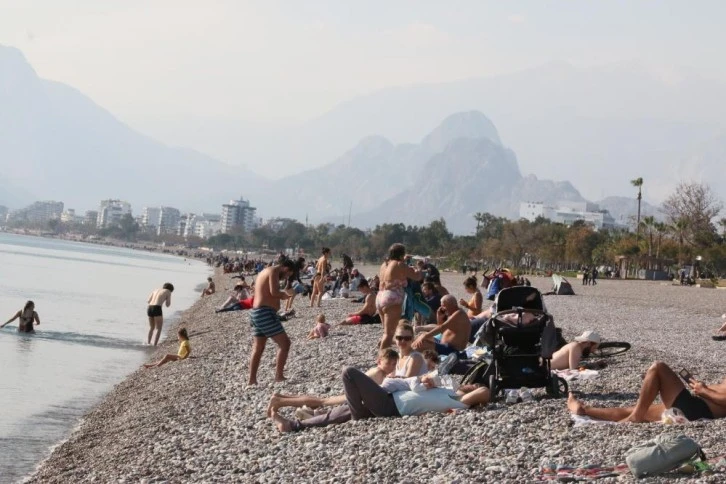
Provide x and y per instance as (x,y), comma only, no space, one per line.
(590,336)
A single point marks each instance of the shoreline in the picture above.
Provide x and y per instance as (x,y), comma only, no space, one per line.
(194,420)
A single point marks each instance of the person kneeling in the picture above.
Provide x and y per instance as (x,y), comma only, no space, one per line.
(184,350)
(707,401)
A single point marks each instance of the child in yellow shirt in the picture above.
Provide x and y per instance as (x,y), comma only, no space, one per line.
(185,350)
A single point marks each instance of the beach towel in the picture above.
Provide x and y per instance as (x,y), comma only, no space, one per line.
(581,420)
(571,375)
(591,472)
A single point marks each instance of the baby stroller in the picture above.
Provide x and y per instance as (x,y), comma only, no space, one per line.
(523,338)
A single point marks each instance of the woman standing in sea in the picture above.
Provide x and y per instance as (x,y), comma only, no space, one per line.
(27,317)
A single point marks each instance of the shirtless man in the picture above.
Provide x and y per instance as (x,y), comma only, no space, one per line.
(156,300)
(210,289)
(265,321)
(454,326)
(707,401)
(569,356)
(367,314)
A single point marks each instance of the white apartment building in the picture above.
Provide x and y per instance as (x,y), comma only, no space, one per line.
(110,212)
(150,217)
(91,217)
(567,213)
(3,213)
(238,214)
(39,212)
(204,226)
(168,220)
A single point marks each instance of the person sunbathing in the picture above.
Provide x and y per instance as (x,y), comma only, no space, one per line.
(385,365)
(454,326)
(570,355)
(706,401)
(474,305)
(367,314)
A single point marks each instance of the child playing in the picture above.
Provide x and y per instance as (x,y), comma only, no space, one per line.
(184,350)
(321,328)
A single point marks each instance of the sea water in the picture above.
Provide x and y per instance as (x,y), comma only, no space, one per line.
(91,301)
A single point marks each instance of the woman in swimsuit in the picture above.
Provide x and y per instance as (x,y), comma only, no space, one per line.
(322,269)
(27,317)
(474,305)
(410,362)
(394,275)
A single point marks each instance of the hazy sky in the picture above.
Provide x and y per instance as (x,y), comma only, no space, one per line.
(270,60)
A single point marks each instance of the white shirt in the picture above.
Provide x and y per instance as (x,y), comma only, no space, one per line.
(434,400)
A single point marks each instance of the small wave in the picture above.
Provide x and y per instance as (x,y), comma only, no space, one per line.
(82,339)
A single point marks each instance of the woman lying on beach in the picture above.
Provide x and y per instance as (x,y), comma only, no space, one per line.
(27,317)
(185,350)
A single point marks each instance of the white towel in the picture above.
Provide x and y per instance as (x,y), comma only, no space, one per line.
(570,375)
(581,420)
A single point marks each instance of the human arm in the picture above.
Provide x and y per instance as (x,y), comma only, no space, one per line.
(148,301)
(369,306)
(17,315)
(36,318)
(168,299)
(715,393)
(439,328)
(414,365)
(275,286)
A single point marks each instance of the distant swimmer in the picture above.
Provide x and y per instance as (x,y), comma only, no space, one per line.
(27,316)
(156,318)
(210,289)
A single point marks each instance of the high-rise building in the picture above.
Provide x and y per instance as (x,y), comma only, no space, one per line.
(69,217)
(150,217)
(204,226)
(111,212)
(168,220)
(39,212)
(91,217)
(238,214)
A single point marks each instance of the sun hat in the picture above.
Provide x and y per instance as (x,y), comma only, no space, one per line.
(590,336)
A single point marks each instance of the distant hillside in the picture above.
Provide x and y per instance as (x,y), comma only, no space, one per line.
(62,146)
(623,209)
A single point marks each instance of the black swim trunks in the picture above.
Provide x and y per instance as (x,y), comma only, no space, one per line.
(693,408)
(154,311)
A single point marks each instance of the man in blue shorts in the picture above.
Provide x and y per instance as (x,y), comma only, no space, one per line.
(454,326)
(265,321)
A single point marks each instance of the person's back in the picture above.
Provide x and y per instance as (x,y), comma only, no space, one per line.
(457,336)
(159,297)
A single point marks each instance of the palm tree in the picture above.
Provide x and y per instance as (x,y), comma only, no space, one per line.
(649,225)
(661,229)
(638,182)
(679,229)
(722,223)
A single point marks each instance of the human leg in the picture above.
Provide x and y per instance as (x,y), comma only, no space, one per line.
(163,361)
(391,316)
(611,414)
(151,330)
(480,396)
(258,347)
(158,323)
(365,397)
(283,349)
(659,380)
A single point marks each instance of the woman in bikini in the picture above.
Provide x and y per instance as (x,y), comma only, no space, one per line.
(27,317)
(322,269)
(394,275)
(474,305)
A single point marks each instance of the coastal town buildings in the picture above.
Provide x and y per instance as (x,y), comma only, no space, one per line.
(3,213)
(90,218)
(150,218)
(69,217)
(238,215)
(38,212)
(567,212)
(168,220)
(111,211)
(204,226)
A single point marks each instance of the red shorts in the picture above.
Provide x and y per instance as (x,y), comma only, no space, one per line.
(365,319)
(247,303)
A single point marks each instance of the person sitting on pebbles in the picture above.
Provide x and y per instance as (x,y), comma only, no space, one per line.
(570,355)
(367,399)
(706,401)
(210,289)
(185,350)
(321,328)
(367,314)
(454,326)
(721,333)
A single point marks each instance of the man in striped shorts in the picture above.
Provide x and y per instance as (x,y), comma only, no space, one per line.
(265,321)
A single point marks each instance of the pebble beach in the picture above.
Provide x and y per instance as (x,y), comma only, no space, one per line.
(195,420)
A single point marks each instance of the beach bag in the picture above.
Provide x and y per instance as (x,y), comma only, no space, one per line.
(662,454)
(477,374)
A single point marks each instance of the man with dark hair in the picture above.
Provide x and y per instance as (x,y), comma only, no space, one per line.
(156,319)
(266,322)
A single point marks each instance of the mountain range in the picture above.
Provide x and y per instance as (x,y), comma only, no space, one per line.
(55,143)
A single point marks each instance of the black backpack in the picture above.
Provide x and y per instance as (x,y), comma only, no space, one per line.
(479,374)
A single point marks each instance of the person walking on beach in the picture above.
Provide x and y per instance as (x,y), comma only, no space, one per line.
(156,300)
(185,349)
(265,321)
(27,317)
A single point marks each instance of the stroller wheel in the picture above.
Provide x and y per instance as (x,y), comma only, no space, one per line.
(558,387)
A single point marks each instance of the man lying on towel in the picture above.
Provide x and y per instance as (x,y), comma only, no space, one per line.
(706,401)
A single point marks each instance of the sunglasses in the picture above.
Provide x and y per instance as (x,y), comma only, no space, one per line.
(403,338)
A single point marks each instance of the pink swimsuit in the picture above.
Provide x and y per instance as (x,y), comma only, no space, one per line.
(392,295)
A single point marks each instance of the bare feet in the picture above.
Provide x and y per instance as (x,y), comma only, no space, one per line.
(274,405)
(280,379)
(283,425)
(574,405)
(251,384)
(632,419)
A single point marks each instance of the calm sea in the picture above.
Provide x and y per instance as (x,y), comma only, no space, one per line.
(91,301)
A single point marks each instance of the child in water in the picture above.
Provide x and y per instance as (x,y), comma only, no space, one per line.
(321,328)
(185,350)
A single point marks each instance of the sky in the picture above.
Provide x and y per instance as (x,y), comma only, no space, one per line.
(288,61)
